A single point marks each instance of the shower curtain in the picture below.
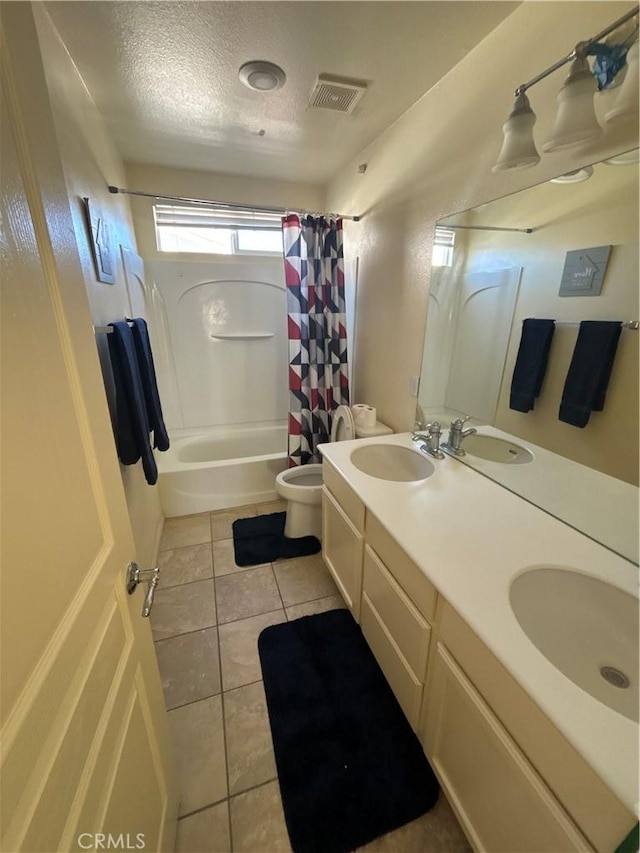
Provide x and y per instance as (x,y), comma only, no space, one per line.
(318,378)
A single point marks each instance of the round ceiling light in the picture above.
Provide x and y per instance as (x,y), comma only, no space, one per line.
(626,159)
(574,177)
(262,76)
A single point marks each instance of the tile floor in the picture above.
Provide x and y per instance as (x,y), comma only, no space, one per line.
(207,615)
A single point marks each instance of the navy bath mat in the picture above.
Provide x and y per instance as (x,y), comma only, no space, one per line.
(262,540)
(350,767)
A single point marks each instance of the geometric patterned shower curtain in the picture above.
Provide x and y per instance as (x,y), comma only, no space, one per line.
(318,379)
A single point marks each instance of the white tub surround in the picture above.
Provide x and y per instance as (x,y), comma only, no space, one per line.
(470,538)
(206,470)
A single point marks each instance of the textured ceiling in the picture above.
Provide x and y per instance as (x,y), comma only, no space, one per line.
(165,75)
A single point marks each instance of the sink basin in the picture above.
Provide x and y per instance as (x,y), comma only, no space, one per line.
(496,450)
(391,462)
(586,628)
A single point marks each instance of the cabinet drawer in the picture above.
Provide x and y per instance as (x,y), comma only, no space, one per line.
(402,621)
(350,503)
(499,798)
(342,548)
(406,687)
(411,578)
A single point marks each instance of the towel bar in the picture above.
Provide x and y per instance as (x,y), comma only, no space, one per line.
(627,324)
(106,330)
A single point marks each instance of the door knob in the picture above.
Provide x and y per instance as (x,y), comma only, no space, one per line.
(136,575)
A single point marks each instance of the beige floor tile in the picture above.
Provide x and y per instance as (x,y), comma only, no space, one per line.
(239,659)
(246,593)
(303,579)
(189,667)
(221,521)
(185,565)
(205,832)
(257,821)
(198,740)
(185,530)
(320,605)
(438,831)
(181,609)
(250,758)
(271,506)
(224,561)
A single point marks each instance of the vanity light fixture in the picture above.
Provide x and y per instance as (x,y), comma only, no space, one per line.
(575,121)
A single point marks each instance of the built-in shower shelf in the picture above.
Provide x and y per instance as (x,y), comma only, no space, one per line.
(249,336)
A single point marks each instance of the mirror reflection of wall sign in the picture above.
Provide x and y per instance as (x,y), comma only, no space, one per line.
(584,271)
(101,243)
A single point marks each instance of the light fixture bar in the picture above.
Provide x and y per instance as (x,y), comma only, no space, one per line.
(581,47)
(223,205)
(488,228)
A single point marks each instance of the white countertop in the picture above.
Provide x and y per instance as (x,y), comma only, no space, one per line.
(471,537)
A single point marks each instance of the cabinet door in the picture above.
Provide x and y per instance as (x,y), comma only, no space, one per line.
(502,803)
(342,548)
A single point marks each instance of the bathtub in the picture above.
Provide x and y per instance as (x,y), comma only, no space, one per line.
(206,470)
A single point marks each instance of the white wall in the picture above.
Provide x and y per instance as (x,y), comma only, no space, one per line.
(435,160)
(90,163)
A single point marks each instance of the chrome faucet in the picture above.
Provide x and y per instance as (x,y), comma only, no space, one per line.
(431,439)
(453,444)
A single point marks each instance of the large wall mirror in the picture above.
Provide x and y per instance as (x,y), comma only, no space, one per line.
(503,262)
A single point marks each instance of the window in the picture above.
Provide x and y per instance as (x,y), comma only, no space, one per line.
(205,230)
(443,247)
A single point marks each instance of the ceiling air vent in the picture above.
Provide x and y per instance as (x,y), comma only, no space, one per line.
(336,93)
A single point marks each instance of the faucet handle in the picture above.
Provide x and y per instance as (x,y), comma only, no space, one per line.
(458,423)
(433,428)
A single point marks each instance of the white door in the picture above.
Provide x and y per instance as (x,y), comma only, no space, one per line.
(84,742)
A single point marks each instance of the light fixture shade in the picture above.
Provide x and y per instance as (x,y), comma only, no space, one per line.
(626,103)
(575,120)
(262,76)
(518,147)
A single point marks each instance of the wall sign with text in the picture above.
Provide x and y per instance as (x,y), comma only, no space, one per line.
(584,271)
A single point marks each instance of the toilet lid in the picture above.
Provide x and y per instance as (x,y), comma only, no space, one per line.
(342,428)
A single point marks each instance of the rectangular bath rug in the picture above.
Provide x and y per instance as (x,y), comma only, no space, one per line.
(349,765)
(261,540)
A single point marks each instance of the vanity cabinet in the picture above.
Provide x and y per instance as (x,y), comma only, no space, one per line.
(385,591)
(514,781)
(398,605)
(342,536)
(500,800)
(396,633)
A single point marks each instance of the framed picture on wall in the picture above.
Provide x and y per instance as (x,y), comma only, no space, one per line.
(102,244)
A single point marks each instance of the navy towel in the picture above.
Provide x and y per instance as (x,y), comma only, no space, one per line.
(585,387)
(132,423)
(531,363)
(149,383)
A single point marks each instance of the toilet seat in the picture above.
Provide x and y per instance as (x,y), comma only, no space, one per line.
(342,428)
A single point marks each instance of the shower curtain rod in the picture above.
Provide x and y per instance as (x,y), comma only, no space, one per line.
(487,228)
(221,205)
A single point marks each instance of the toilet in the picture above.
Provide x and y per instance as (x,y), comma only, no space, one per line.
(301,486)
